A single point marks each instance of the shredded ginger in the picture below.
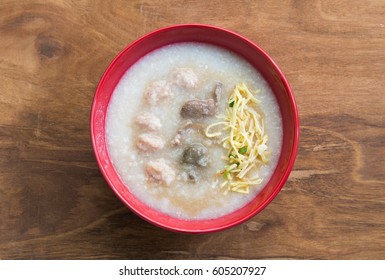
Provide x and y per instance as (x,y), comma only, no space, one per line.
(244,138)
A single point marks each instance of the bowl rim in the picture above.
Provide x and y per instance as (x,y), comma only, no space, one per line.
(293,150)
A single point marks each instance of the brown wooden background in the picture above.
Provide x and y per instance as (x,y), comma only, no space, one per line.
(54,202)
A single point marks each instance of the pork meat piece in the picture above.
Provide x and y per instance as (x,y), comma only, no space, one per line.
(160,171)
(158,91)
(148,121)
(148,142)
(185,77)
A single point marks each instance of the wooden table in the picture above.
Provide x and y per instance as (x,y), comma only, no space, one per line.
(54,202)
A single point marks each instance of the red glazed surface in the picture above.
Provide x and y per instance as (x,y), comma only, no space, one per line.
(229,40)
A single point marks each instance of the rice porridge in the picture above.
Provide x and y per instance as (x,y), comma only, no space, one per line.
(193,131)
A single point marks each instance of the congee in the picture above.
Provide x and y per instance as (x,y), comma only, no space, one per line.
(193,130)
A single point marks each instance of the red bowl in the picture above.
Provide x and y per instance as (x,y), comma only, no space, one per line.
(223,38)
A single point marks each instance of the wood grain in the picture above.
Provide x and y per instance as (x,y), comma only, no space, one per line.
(55,204)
